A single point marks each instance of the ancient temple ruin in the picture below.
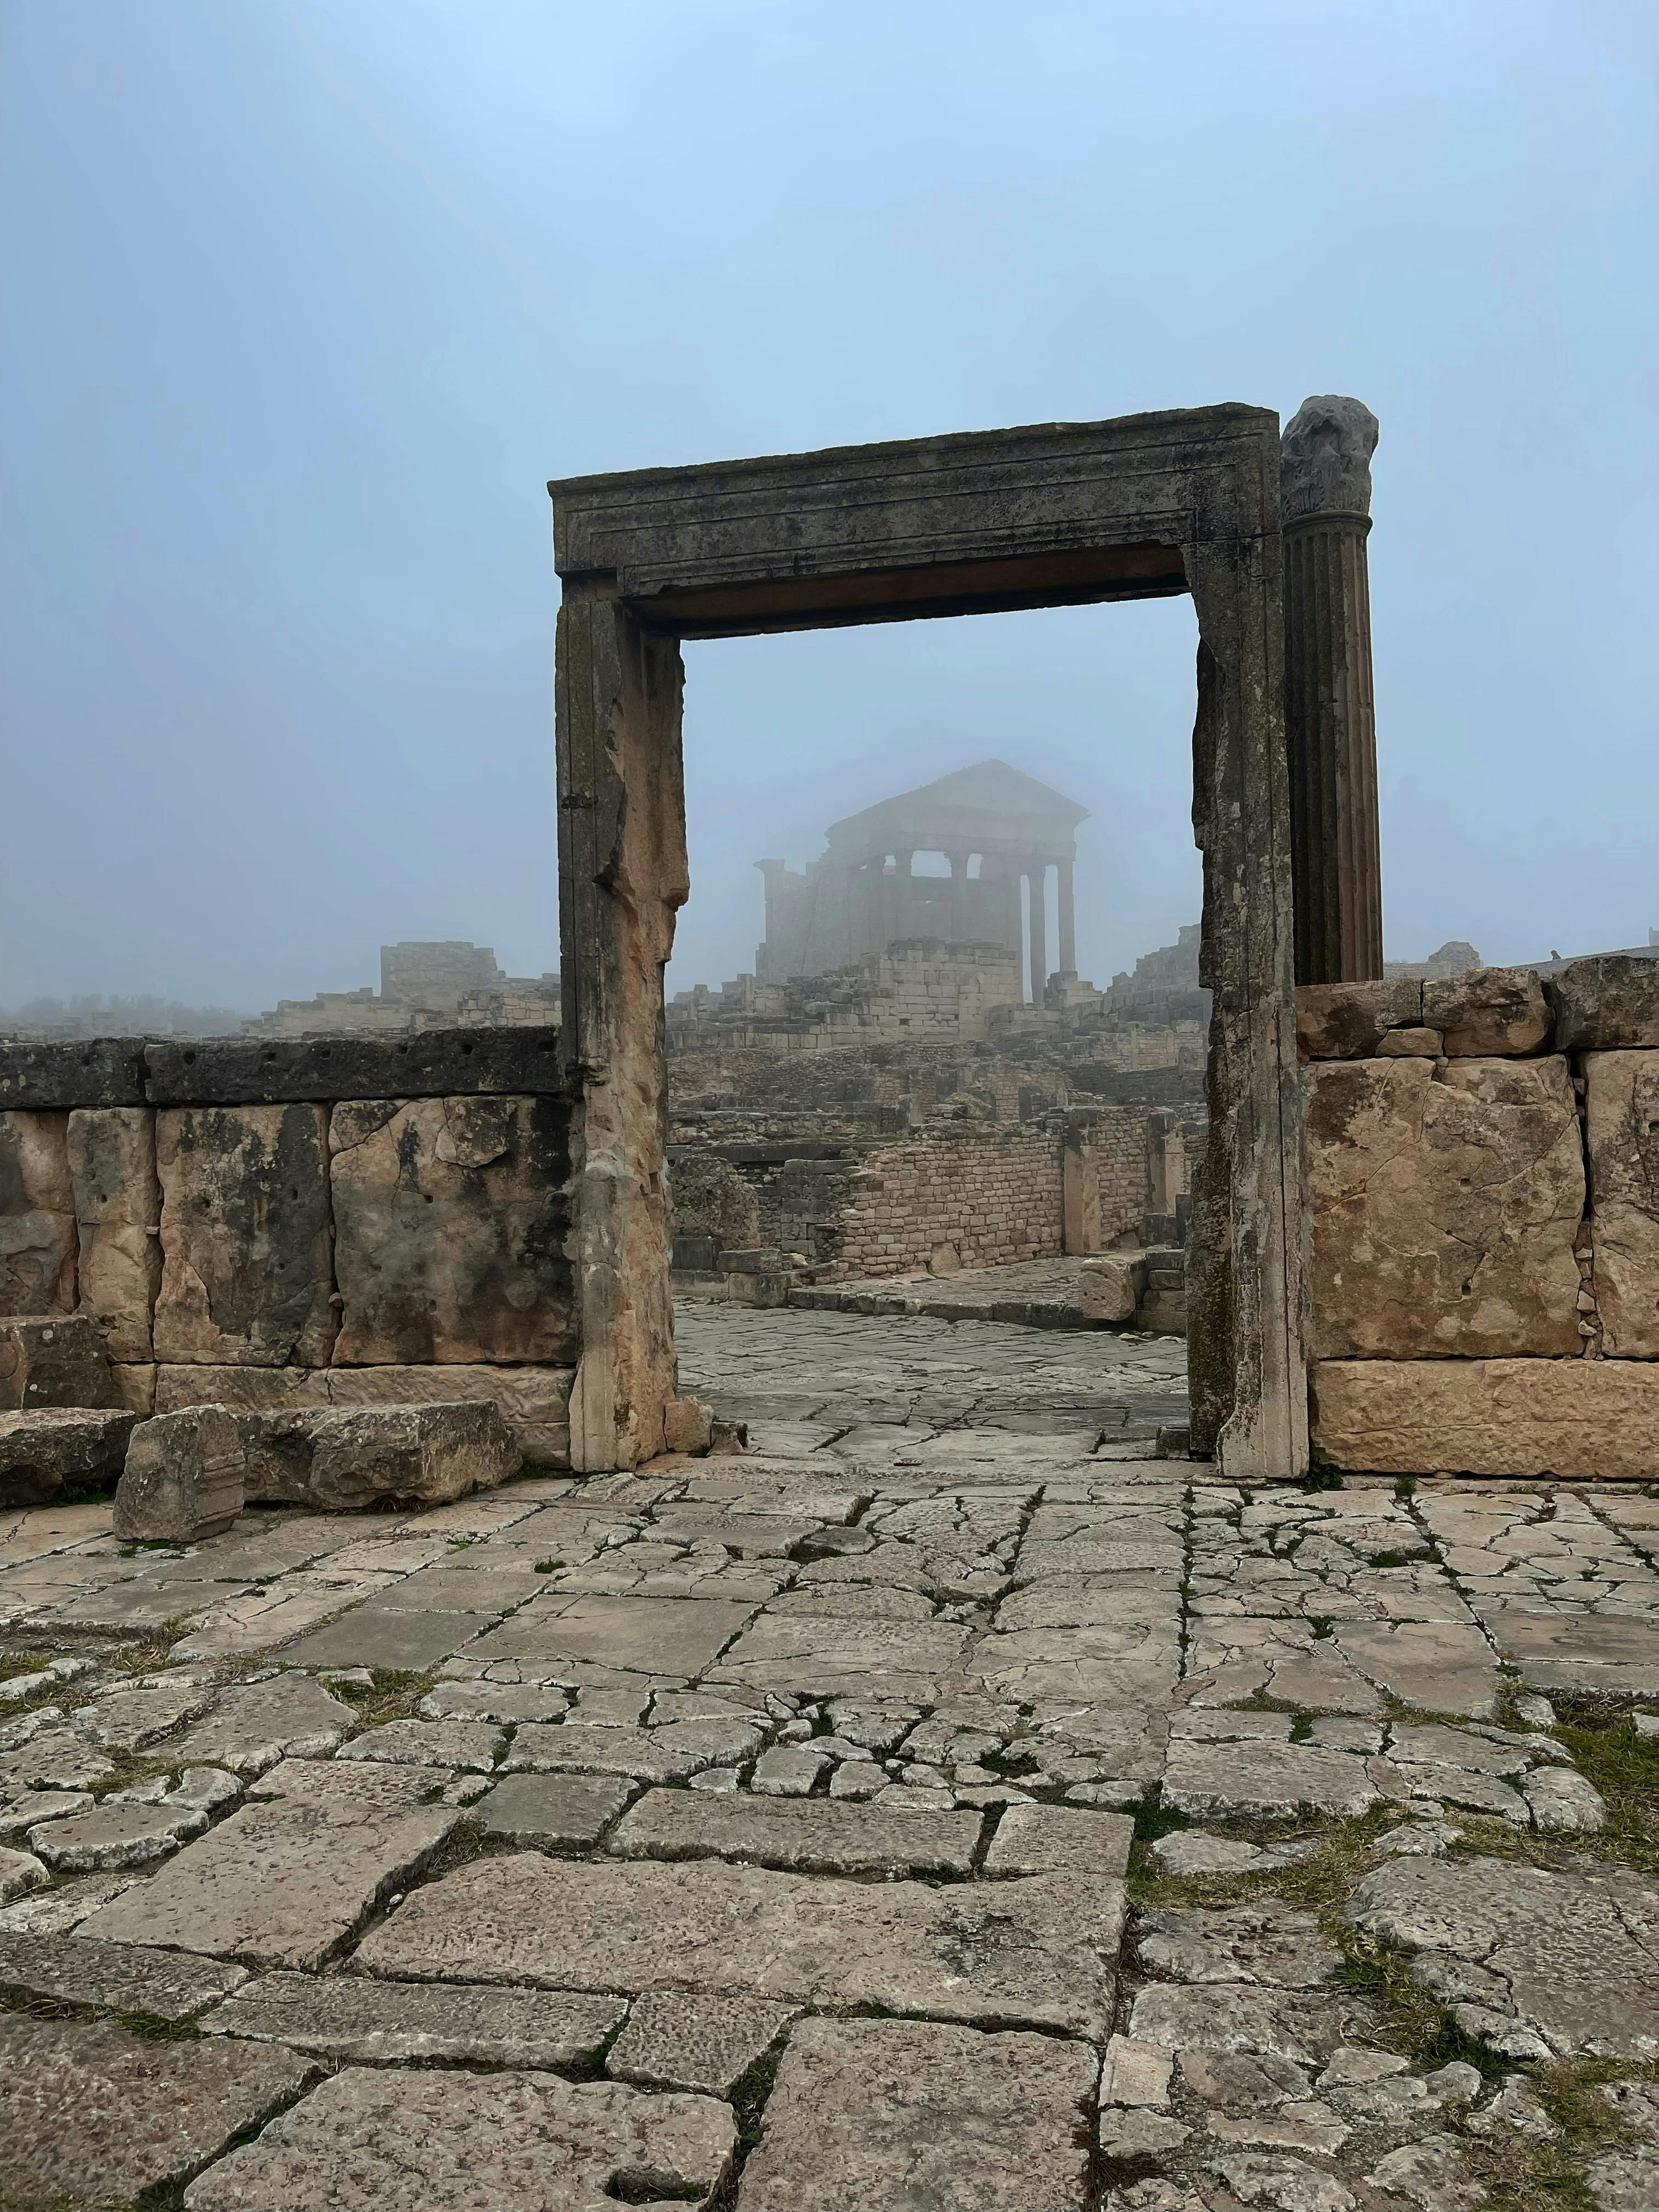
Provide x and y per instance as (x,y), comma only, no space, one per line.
(998,830)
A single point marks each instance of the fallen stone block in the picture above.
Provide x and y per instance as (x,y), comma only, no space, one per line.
(534,1401)
(183,1479)
(93,2114)
(408,2141)
(687,1425)
(338,1460)
(39,1452)
(1581,1419)
(118,1209)
(54,1359)
(1109,1288)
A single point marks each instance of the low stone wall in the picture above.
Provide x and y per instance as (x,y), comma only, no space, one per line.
(336,1221)
(1483,1189)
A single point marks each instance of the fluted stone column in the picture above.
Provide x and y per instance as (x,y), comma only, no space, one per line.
(959,895)
(1037,876)
(1330,717)
(1063,870)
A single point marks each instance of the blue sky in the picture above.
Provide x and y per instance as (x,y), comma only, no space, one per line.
(305,302)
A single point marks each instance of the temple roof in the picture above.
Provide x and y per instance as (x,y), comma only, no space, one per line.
(988,806)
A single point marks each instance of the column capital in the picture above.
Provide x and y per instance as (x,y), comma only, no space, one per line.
(1325,461)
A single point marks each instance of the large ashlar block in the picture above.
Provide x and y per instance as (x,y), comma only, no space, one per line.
(118,1210)
(37,1215)
(1349,1021)
(1621,1126)
(1444,1197)
(245,1274)
(534,1401)
(1581,1418)
(1606,1004)
(450,1216)
(1488,1012)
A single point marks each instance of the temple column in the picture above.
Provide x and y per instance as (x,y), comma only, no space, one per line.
(1330,717)
(1037,876)
(902,863)
(1063,872)
(959,895)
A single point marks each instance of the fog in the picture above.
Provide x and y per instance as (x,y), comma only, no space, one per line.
(306,301)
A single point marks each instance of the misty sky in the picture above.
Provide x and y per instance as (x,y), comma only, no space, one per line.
(305,299)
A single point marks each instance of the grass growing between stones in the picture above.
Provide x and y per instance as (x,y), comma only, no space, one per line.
(1524,2176)
(148,1654)
(1624,1767)
(391,1695)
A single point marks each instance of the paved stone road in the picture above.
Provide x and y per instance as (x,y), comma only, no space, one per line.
(947,1805)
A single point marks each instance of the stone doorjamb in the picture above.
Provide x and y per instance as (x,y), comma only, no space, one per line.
(1056,515)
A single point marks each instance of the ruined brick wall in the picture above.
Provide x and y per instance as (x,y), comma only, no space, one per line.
(262,1223)
(1482,1158)
(994,1198)
(1119,1141)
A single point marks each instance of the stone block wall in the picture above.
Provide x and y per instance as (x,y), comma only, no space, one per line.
(1482,1160)
(989,1195)
(323,1222)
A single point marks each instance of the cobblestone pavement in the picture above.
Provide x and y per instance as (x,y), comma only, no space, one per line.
(946,1805)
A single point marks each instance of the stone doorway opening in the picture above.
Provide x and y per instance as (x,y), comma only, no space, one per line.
(1053,515)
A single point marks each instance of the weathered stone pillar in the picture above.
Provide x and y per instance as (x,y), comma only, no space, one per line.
(1330,718)
(1245,1371)
(1037,876)
(622,876)
(1063,872)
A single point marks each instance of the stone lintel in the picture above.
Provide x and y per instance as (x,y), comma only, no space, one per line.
(276,1071)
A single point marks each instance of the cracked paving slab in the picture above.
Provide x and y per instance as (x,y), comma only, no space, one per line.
(805,1784)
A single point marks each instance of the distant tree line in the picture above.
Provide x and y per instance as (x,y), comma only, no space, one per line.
(92,1014)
